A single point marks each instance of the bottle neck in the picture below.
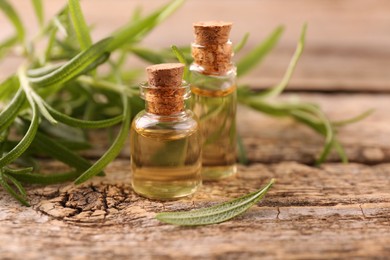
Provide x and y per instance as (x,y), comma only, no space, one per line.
(213,59)
(165,101)
(167,107)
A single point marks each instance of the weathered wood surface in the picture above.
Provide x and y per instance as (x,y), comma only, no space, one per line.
(337,211)
(347,42)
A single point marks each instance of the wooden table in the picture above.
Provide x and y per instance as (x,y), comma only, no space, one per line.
(334,211)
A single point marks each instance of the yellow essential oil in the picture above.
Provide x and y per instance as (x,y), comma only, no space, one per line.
(213,84)
(165,139)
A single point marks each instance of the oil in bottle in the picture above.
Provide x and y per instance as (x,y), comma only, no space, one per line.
(165,139)
(213,84)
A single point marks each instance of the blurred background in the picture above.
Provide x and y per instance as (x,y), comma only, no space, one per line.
(348,42)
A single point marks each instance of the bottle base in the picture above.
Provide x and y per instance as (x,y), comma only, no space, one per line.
(218,172)
(158,191)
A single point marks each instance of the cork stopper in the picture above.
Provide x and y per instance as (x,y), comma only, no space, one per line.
(165,75)
(164,93)
(212,32)
(212,49)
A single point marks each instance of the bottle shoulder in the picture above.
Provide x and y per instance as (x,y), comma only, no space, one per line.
(207,82)
(199,71)
(185,121)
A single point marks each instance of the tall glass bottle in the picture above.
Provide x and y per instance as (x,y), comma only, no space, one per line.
(213,84)
(164,138)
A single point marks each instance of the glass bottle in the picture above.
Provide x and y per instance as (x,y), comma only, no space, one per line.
(213,84)
(164,138)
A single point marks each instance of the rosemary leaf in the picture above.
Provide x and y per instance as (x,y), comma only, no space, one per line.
(340,150)
(242,154)
(276,90)
(8,87)
(39,12)
(27,139)
(135,30)
(17,184)
(13,16)
(215,214)
(9,113)
(7,44)
(114,149)
(50,44)
(148,55)
(56,150)
(74,67)
(19,197)
(45,179)
(42,109)
(70,121)
(354,119)
(18,171)
(241,43)
(180,57)
(79,24)
(255,56)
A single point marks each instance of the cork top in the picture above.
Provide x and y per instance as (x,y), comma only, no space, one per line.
(165,92)
(212,32)
(165,75)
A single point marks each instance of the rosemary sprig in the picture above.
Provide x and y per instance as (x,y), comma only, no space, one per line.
(215,214)
(46,80)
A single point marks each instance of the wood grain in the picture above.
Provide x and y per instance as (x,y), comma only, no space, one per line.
(336,211)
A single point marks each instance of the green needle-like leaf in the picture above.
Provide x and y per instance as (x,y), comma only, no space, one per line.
(56,150)
(50,44)
(74,67)
(19,197)
(215,214)
(242,154)
(256,55)
(354,119)
(42,109)
(140,27)
(79,24)
(38,8)
(17,184)
(18,171)
(8,87)
(71,121)
(10,112)
(148,55)
(45,179)
(275,91)
(12,15)
(115,148)
(27,139)
(6,44)
(42,71)
(180,56)
(329,134)
(241,43)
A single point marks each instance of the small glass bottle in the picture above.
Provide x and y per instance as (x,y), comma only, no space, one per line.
(164,138)
(213,84)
